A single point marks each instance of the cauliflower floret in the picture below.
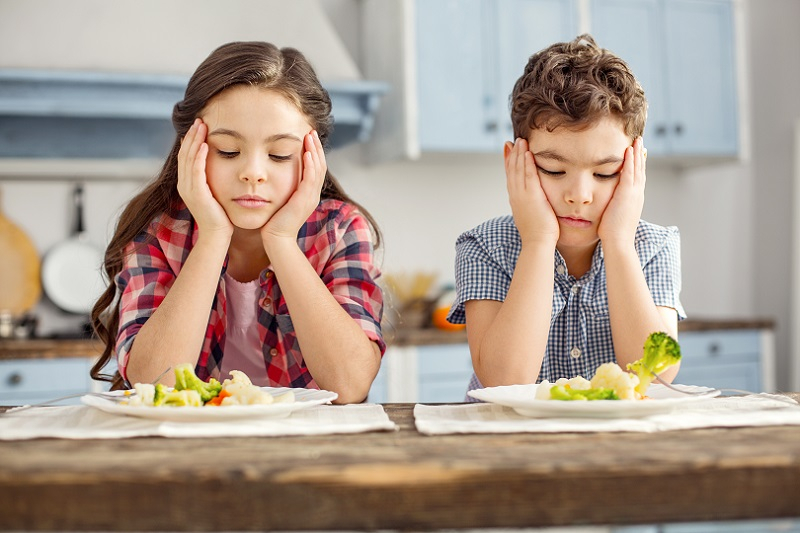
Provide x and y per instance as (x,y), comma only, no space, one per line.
(543,390)
(611,376)
(241,391)
(143,395)
(579,383)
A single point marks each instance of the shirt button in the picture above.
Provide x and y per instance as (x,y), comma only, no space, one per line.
(575,289)
(273,352)
(575,352)
(267,300)
(269,273)
(561,270)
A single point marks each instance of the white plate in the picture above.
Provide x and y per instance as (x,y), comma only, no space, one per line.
(304,398)
(522,398)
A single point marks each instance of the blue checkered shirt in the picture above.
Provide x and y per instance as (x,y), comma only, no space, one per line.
(580,330)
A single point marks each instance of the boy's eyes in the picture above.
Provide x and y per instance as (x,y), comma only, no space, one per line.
(549,172)
(607,176)
(561,173)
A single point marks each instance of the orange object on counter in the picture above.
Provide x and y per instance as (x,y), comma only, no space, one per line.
(439,320)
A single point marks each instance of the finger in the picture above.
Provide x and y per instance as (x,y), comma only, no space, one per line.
(642,160)
(511,165)
(628,168)
(320,151)
(521,166)
(199,170)
(318,154)
(190,145)
(198,152)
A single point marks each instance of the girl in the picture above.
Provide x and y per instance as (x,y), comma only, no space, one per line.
(245,253)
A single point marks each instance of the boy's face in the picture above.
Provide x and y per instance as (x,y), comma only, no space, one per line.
(579,170)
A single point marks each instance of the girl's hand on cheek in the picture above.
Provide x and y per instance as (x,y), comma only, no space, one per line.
(621,216)
(288,220)
(193,183)
(533,214)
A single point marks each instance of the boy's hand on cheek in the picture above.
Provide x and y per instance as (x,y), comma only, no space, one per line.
(533,214)
(286,222)
(622,214)
(193,183)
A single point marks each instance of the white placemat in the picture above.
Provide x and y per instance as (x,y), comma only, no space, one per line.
(84,422)
(756,410)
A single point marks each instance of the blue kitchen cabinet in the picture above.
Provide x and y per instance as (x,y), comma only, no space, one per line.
(428,374)
(37,380)
(444,373)
(469,55)
(725,359)
(378,392)
(683,53)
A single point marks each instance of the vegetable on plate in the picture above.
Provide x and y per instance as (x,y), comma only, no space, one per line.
(611,382)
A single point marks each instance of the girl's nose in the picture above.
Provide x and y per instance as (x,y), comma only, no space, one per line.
(254,172)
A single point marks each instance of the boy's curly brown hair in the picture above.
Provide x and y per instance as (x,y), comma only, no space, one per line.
(573,85)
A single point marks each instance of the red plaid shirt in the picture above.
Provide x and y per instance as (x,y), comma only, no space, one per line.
(337,241)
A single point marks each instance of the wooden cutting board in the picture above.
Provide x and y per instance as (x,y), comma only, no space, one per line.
(20,265)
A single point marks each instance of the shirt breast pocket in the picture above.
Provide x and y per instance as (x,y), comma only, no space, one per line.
(596,306)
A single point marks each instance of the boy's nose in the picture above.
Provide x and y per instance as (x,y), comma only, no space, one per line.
(578,193)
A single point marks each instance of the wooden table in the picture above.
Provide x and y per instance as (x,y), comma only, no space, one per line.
(399,480)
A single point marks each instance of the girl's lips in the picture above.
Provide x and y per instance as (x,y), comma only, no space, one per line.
(575,222)
(250,201)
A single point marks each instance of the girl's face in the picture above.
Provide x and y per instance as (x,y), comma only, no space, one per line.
(255,149)
(579,170)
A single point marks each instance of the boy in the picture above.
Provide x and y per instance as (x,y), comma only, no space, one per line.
(575,279)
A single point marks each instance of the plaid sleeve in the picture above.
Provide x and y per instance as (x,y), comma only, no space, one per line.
(350,273)
(481,274)
(663,272)
(142,284)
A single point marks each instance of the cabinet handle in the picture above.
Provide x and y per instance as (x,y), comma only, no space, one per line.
(14,379)
(678,129)
(661,130)
(713,349)
(491,127)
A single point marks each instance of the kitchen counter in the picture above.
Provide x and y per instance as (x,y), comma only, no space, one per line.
(49,348)
(400,480)
(432,336)
(92,348)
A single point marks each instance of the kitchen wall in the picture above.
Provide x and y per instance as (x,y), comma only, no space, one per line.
(734,217)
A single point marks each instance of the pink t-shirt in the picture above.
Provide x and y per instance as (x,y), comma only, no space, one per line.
(242,345)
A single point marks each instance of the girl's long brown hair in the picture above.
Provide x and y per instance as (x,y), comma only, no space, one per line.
(257,64)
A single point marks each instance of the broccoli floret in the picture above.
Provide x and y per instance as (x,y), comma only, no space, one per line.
(160,395)
(560,392)
(186,379)
(182,398)
(660,352)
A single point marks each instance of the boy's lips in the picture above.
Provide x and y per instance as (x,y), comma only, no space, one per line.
(251,201)
(575,222)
